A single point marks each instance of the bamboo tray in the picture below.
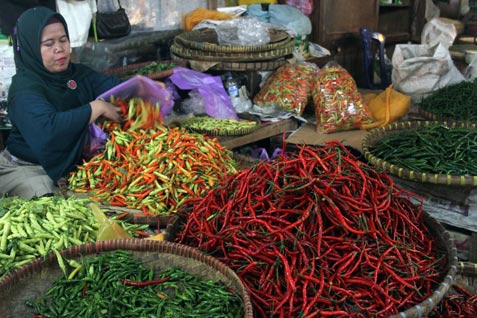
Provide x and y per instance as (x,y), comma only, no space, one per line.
(240,66)
(377,134)
(207,40)
(188,53)
(34,279)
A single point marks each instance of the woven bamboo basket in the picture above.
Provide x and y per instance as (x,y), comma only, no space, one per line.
(445,240)
(377,134)
(188,53)
(240,66)
(123,71)
(32,280)
(207,40)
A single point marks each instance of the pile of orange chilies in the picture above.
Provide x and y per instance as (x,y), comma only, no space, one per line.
(154,169)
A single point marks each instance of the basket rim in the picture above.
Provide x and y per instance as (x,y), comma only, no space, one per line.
(241,66)
(428,304)
(185,52)
(444,179)
(427,115)
(185,40)
(139,245)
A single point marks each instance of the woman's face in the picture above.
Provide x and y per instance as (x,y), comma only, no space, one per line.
(55,48)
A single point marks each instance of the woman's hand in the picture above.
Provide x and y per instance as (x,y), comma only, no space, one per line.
(105,109)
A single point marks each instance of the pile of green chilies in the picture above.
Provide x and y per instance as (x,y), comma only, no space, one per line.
(318,233)
(117,284)
(433,149)
(454,102)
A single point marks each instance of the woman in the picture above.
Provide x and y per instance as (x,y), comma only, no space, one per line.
(50,104)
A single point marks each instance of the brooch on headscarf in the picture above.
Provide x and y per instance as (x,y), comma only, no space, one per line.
(71,84)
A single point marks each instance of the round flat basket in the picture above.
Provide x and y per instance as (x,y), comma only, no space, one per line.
(207,40)
(241,66)
(377,134)
(222,127)
(34,279)
(188,53)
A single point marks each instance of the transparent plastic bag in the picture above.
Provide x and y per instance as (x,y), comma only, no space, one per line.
(145,88)
(108,229)
(288,88)
(217,103)
(244,31)
(95,141)
(338,104)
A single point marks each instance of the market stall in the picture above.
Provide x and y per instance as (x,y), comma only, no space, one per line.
(179,207)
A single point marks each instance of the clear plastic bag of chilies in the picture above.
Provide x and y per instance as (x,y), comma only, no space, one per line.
(288,88)
(338,104)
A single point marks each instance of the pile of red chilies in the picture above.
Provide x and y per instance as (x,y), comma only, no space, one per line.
(318,233)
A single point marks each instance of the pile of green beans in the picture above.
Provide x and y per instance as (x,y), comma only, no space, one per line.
(434,149)
(116,284)
(37,227)
(454,102)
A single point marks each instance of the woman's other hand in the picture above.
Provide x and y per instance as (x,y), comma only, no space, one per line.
(105,109)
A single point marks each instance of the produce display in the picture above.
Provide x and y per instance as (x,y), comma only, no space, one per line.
(288,88)
(31,229)
(435,149)
(318,233)
(148,69)
(452,102)
(150,167)
(219,127)
(118,285)
(338,104)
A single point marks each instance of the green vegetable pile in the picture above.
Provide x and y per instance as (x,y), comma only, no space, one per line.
(118,285)
(453,102)
(434,149)
(30,229)
(151,68)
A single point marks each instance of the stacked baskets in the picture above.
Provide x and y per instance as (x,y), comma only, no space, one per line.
(202,46)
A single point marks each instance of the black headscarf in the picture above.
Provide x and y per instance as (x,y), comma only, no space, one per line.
(31,75)
(49,118)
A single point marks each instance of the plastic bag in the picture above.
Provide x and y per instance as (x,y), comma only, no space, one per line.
(244,31)
(288,88)
(145,88)
(420,69)
(437,31)
(338,104)
(95,141)
(217,103)
(386,107)
(290,18)
(108,229)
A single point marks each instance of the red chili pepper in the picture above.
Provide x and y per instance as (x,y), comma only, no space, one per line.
(128,282)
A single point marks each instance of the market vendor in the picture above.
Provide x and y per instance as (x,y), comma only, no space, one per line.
(51,103)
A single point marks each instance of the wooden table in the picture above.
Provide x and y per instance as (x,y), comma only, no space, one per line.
(266,130)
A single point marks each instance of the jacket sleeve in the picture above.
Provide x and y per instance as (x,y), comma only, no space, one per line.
(48,137)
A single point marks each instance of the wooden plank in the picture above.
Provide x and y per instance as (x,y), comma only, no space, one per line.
(266,130)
